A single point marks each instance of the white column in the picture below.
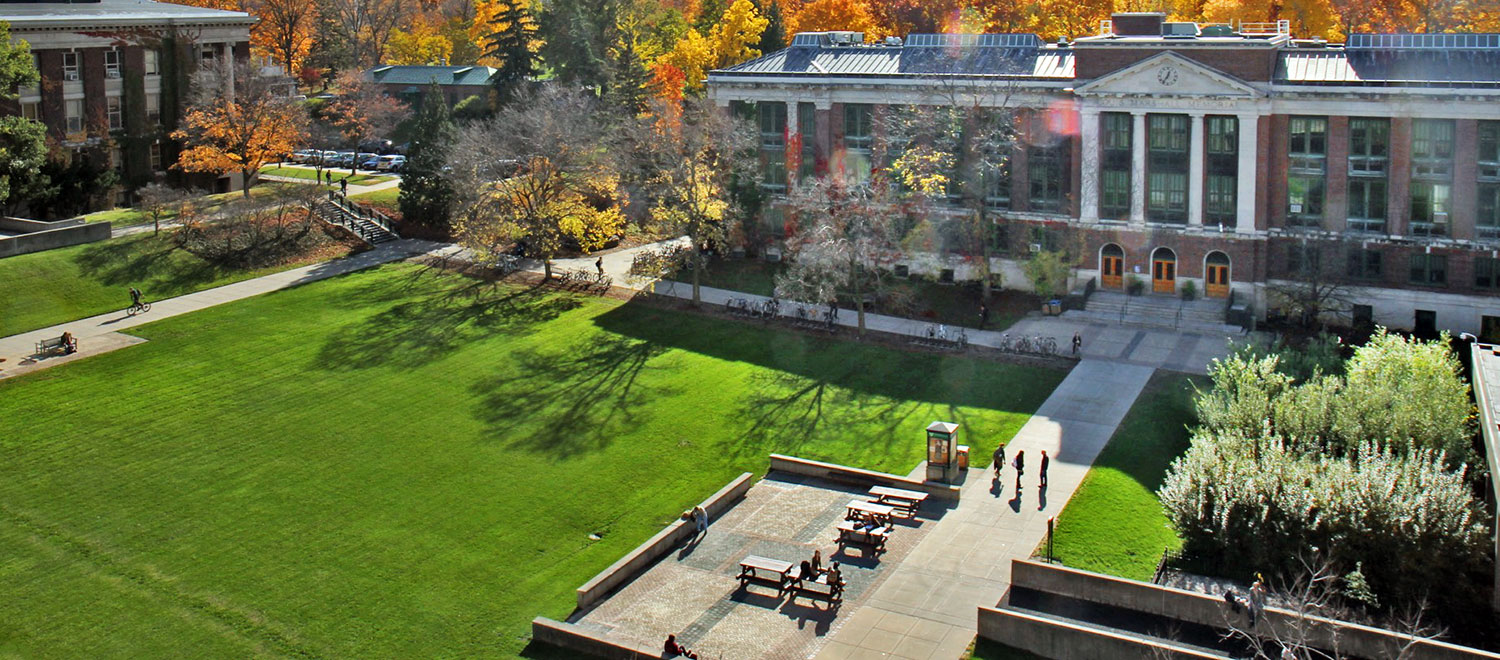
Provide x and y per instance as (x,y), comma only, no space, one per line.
(1088,208)
(1197,141)
(1138,167)
(1244,197)
(224,57)
(791,119)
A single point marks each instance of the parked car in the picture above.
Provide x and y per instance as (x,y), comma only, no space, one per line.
(303,155)
(371,163)
(391,163)
(345,159)
(364,156)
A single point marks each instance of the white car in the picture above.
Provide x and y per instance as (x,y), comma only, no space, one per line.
(391,163)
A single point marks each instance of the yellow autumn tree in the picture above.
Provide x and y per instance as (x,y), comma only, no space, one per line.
(734,38)
(821,15)
(258,124)
(423,44)
(1309,18)
(692,55)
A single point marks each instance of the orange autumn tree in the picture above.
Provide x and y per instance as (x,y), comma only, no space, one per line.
(285,31)
(239,131)
(822,15)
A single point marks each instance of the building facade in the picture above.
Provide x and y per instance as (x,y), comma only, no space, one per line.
(1233,157)
(410,82)
(115,76)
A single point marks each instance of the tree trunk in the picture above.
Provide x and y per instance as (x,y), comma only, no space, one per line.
(546,270)
(697,274)
(247,174)
(859,303)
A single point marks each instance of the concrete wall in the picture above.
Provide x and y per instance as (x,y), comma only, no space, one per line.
(574,638)
(845,474)
(1193,607)
(659,545)
(1057,638)
(48,239)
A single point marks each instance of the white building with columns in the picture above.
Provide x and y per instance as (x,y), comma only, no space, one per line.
(1234,157)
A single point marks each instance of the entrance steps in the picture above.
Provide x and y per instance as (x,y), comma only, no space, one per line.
(1203,316)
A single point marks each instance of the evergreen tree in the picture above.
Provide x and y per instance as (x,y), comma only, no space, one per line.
(514,43)
(577,35)
(709,14)
(426,194)
(774,38)
(630,77)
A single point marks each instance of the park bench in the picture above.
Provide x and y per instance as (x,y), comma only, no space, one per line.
(819,587)
(906,500)
(751,568)
(854,532)
(862,510)
(48,346)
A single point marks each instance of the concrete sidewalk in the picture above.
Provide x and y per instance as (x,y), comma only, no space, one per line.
(102,333)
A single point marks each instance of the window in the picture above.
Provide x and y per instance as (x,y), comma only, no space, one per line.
(1432,176)
(1367,204)
(997,188)
(1166,192)
(70,66)
(1223,165)
(74,108)
(1429,269)
(1303,260)
(153,109)
(112,107)
(1369,145)
(1048,169)
(858,138)
(1487,218)
(772,125)
(153,62)
(112,63)
(807,132)
(773,220)
(1307,154)
(31,111)
(773,171)
(1363,264)
(1486,273)
(156,157)
(1114,177)
(117,160)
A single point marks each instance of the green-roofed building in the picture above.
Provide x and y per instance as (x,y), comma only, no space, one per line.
(409,83)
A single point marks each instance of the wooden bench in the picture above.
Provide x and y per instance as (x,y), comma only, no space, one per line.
(853,532)
(859,509)
(48,346)
(820,587)
(906,500)
(752,566)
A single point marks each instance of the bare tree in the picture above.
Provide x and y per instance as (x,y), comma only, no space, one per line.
(161,201)
(1314,290)
(363,26)
(846,237)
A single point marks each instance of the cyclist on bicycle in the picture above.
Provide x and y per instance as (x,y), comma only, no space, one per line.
(135,297)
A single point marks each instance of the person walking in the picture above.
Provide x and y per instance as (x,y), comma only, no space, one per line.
(984,314)
(599,264)
(1043,473)
(700,519)
(344,186)
(1020,467)
(1077,342)
(999,459)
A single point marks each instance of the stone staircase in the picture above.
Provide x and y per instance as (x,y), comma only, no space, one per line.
(370,225)
(1203,316)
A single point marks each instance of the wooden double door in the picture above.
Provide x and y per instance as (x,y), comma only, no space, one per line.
(1112,271)
(1163,274)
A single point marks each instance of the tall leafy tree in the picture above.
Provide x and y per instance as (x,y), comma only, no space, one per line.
(774,36)
(845,238)
(578,37)
(514,44)
(240,131)
(629,77)
(734,38)
(23,142)
(426,191)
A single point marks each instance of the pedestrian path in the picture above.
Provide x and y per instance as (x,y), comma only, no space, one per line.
(927,608)
(102,333)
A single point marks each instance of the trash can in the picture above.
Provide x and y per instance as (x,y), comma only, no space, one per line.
(963,457)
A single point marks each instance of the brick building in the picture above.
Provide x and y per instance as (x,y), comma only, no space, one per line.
(1233,157)
(115,77)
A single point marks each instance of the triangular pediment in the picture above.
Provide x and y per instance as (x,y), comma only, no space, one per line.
(1168,74)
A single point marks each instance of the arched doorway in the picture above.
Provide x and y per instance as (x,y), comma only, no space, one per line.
(1111,267)
(1216,275)
(1163,271)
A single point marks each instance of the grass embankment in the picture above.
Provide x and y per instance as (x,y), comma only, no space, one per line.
(1115,524)
(949,304)
(398,463)
(312,174)
(384,199)
(67,284)
(130,217)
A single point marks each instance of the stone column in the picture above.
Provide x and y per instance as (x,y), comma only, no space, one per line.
(1197,144)
(1245,173)
(1138,167)
(791,155)
(1088,169)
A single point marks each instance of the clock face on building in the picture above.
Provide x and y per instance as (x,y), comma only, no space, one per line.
(1166,75)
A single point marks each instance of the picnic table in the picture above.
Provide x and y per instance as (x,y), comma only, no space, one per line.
(819,586)
(861,509)
(752,566)
(854,532)
(907,500)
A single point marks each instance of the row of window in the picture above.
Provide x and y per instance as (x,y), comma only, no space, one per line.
(1167,141)
(1368,265)
(71,61)
(1368,168)
(73,111)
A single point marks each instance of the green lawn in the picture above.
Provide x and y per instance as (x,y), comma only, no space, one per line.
(397,463)
(385,199)
(1114,524)
(127,217)
(309,174)
(950,304)
(66,284)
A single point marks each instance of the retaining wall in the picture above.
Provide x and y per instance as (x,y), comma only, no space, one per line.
(846,474)
(579,639)
(48,235)
(1055,638)
(1193,607)
(659,545)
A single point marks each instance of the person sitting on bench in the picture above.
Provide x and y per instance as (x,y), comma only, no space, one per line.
(835,578)
(69,344)
(807,572)
(673,648)
(817,562)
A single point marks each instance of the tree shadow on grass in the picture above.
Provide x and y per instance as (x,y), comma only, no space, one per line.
(144,262)
(576,397)
(417,331)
